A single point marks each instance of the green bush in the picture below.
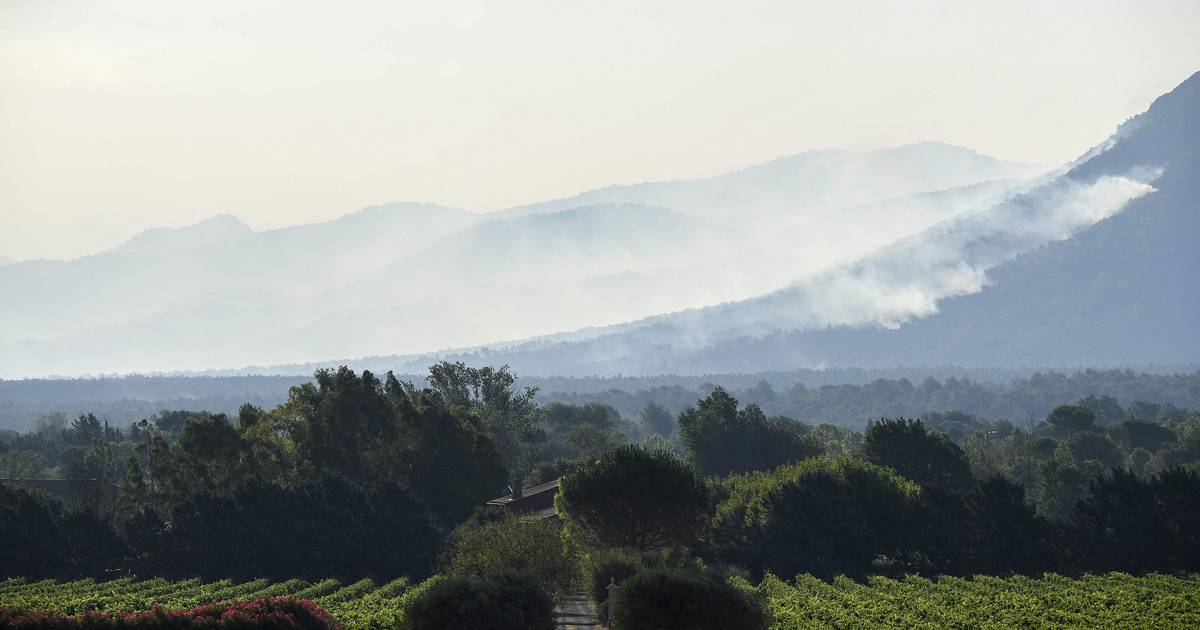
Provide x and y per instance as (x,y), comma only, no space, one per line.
(823,517)
(511,546)
(474,603)
(274,613)
(670,599)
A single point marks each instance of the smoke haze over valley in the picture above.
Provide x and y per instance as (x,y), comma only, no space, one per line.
(814,258)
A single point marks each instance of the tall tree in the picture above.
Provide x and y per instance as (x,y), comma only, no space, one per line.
(633,497)
(721,439)
(930,459)
(508,413)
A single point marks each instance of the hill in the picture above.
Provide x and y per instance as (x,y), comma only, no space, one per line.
(1087,268)
(412,277)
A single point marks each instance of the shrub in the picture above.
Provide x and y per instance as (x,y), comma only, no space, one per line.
(277,613)
(667,599)
(819,516)
(474,603)
(511,546)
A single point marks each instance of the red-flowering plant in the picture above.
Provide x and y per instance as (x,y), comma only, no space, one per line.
(267,613)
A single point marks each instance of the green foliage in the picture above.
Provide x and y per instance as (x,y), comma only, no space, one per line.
(1127,523)
(721,439)
(657,418)
(1107,410)
(578,432)
(265,529)
(1062,481)
(508,414)
(1114,600)
(821,516)
(635,498)
(929,459)
(23,464)
(510,546)
(1071,418)
(474,603)
(665,599)
(41,539)
(1134,434)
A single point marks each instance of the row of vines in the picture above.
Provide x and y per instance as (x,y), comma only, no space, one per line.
(362,605)
(1113,600)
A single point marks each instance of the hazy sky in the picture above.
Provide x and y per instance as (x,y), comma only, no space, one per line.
(120,115)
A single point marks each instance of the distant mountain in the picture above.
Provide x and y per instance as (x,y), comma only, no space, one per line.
(217,230)
(414,277)
(1113,283)
(61,307)
(807,184)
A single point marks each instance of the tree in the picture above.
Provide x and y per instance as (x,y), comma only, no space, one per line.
(1127,524)
(132,492)
(442,454)
(929,459)
(338,420)
(23,464)
(720,439)
(41,539)
(636,498)
(1106,409)
(819,516)
(324,526)
(656,418)
(990,530)
(1133,434)
(1061,482)
(1071,418)
(212,453)
(508,414)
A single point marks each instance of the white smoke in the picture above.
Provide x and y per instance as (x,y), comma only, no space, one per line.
(907,279)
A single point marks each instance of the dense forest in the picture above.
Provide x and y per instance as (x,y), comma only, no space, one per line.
(846,397)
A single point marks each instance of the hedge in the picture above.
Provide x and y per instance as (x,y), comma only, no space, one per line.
(672,599)
(474,603)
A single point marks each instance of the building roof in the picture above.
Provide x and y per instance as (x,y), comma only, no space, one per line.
(550,487)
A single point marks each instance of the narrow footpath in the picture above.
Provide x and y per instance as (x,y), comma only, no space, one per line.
(575,613)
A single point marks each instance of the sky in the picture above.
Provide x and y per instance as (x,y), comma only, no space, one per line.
(116,116)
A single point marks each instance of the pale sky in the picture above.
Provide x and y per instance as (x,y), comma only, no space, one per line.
(121,115)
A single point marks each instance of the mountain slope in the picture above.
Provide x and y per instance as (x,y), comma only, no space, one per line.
(217,230)
(806,184)
(418,277)
(161,269)
(1121,290)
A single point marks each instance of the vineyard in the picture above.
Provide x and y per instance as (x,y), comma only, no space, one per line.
(1113,600)
(362,605)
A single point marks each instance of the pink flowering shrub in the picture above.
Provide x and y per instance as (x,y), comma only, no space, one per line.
(267,613)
